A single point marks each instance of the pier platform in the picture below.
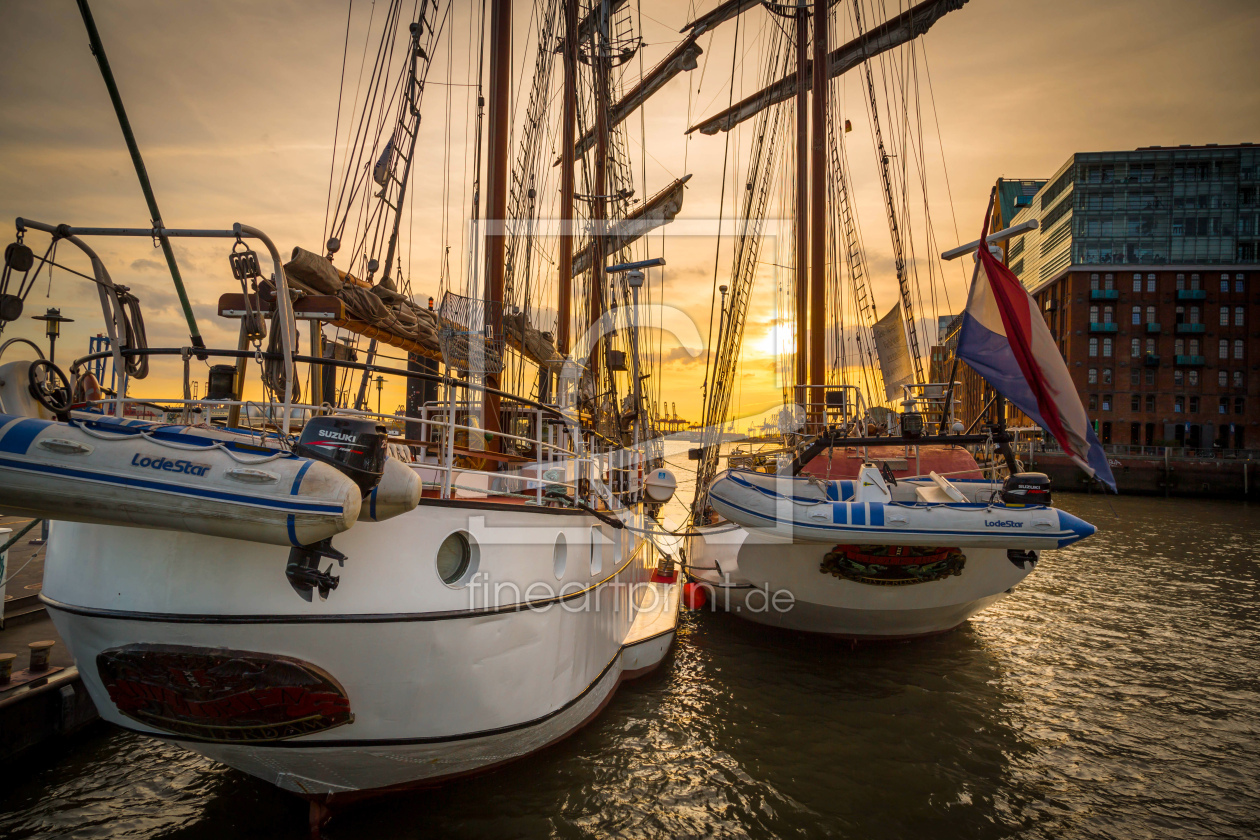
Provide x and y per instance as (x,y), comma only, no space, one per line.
(41,707)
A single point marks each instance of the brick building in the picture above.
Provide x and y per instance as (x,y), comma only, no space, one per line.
(1145,267)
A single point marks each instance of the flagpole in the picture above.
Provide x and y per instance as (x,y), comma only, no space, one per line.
(953,372)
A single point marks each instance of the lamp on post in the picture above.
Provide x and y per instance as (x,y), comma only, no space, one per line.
(53,320)
(380,384)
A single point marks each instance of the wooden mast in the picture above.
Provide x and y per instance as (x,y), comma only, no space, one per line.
(566,176)
(800,228)
(818,215)
(496,207)
(599,215)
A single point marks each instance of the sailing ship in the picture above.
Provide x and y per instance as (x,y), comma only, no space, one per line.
(294,592)
(871,510)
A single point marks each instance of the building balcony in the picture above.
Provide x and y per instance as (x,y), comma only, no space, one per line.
(1104,294)
(1152,326)
(1189,361)
(1191,328)
(1191,294)
(1109,327)
(1150,360)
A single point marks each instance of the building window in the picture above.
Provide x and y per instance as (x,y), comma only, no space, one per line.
(1150,282)
(1135,403)
(1106,402)
(1093,282)
(1093,348)
(1193,378)
(1093,402)
(1179,404)
(1222,378)
(1179,347)
(1093,376)
(1238,316)
(1194,347)
(1224,316)
(1223,348)
(1109,314)
(1150,346)
(1137,284)
(1179,377)
(1194,282)
(1179,315)
(1135,348)
(1135,377)
(1224,406)
(1238,379)
(1224,285)
(1109,283)
(1150,376)
(1238,284)
(1107,349)
(1194,405)
(1150,315)
(1137,315)
(1093,315)
(1150,403)
(1194,314)
(1181,282)
(1106,376)
(1238,348)
(1240,405)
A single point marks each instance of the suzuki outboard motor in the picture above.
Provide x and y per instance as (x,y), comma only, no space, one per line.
(1026,488)
(354,446)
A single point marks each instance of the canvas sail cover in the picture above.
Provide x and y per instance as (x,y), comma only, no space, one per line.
(894,353)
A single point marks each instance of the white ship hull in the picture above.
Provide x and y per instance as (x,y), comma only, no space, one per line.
(414,681)
(785,586)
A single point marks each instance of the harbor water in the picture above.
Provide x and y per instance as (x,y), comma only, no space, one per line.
(1115,693)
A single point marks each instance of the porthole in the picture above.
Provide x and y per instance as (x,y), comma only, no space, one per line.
(457,559)
(559,556)
(597,550)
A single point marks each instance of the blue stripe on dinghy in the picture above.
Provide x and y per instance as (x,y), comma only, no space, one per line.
(290,521)
(877,514)
(1064,539)
(857,512)
(372,502)
(840,514)
(177,489)
(17,437)
(297,481)
(833,492)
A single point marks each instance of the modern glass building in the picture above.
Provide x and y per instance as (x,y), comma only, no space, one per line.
(1154,206)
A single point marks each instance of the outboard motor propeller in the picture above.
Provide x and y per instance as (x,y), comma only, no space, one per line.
(355,447)
(303,569)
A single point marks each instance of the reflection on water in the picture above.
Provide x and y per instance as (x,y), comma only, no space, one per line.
(1115,694)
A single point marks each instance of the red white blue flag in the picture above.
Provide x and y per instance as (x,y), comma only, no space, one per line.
(1005,339)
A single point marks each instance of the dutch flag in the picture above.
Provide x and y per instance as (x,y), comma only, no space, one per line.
(1005,339)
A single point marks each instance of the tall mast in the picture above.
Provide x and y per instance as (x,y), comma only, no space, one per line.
(818,215)
(599,216)
(566,175)
(496,206)
(800,223)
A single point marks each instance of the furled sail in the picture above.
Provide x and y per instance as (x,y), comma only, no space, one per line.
(681,58)
(894,353)
(380,312)
(656,212)
(894,32)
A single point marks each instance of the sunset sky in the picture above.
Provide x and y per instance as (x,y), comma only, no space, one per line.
(234,103)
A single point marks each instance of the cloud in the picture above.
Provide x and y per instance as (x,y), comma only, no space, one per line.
(147,265)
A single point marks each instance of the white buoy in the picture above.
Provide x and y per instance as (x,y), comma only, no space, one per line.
(660,485)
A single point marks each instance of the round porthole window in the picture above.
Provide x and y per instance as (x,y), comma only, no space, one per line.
(560,556)
(457,559)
